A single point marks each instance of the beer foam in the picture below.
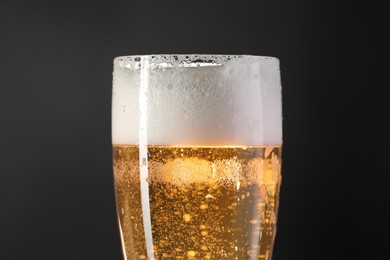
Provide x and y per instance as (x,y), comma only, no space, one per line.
(196,100)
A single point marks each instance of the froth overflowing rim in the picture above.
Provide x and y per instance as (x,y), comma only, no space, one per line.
(133,62)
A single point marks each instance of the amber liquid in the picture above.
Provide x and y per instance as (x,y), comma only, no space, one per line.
(205,202)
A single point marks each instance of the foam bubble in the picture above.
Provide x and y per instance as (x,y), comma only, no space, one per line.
(196,100)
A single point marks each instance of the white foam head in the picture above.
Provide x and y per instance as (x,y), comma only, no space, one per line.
(196,100)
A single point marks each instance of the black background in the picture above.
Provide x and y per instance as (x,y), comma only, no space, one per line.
(56,186)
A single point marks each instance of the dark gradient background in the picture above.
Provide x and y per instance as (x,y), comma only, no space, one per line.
(56,186)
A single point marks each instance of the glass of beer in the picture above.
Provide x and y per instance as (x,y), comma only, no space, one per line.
(197,145)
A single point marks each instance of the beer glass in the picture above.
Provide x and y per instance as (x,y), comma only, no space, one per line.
(197,145)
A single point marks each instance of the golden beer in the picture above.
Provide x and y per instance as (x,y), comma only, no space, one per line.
(197,145)
(205,202)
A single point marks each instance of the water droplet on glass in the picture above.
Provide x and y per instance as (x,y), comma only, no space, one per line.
(267,151)
(264,193)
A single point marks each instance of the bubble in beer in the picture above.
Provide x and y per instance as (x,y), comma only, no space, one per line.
(191,253)
(187,217)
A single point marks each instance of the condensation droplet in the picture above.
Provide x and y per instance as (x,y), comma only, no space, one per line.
(264,193)
(262,216)
(275,163)
(273,217)
(267,151)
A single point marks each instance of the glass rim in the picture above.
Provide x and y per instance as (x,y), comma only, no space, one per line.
(186,60)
